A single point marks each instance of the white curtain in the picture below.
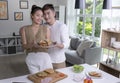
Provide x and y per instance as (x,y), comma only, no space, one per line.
(110,19)
(111,16)
(71,17)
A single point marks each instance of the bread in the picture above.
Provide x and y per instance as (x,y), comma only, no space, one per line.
(95,74)
(44,43)
(42,74)
(49,71)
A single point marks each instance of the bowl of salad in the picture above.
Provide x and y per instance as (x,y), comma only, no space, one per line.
(78,68)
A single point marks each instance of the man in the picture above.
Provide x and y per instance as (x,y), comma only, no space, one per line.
(59,34)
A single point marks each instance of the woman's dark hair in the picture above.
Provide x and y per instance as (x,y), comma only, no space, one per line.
(35,8)
(48,6)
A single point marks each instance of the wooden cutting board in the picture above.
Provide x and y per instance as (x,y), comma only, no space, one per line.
(56,76)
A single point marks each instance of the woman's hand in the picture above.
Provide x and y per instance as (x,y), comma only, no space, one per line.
(36,46)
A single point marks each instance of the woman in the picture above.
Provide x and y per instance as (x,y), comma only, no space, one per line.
(38,58)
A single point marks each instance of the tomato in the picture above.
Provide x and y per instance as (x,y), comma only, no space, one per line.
(90,81)
(86,81)
(61,75)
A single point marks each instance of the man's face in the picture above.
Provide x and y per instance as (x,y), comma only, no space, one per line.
(49,15)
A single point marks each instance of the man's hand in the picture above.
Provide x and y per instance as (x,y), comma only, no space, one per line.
(59,45)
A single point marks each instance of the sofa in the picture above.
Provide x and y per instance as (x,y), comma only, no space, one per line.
(83,51)
(12,65)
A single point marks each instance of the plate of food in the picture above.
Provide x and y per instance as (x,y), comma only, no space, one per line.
(46,44)
(95,74)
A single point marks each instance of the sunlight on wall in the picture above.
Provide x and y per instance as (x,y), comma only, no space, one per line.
(110,19)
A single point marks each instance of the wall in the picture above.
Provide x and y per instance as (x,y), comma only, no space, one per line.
(111,17)
(42,2)
(116,3)
(7,27)
(55,2)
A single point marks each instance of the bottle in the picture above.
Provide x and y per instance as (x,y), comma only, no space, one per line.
(13,33)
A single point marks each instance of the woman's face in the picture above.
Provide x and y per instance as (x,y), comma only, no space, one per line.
(37,17)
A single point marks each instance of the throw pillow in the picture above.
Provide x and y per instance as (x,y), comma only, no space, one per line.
(73,43)
(93,45)
(78,43)
(83,45)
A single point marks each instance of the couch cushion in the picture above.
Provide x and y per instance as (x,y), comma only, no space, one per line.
(78,43)
(83,45)
(73,43)
(73,58)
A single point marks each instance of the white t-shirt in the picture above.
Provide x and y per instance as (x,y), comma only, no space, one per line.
(59,34)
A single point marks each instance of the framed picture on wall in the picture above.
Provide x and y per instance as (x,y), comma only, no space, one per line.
(23,4)
(3,10)
(18,16)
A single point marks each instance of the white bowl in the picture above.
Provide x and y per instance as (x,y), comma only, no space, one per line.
(116,44)
(78,77)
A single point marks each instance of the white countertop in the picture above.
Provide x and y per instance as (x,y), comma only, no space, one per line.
(106,78)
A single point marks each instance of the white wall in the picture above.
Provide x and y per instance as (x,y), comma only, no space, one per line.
(111,17)
(115,3)
(55,2)
(7,27)
(42,2)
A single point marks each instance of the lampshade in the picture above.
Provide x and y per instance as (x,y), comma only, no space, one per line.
(107,4)
(79,4)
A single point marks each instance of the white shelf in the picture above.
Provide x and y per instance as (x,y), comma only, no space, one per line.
(111,68)
(10,45)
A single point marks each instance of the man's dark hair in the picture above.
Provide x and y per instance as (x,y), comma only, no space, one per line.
(48,6)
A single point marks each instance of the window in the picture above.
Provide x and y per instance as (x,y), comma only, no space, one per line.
(89,18)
